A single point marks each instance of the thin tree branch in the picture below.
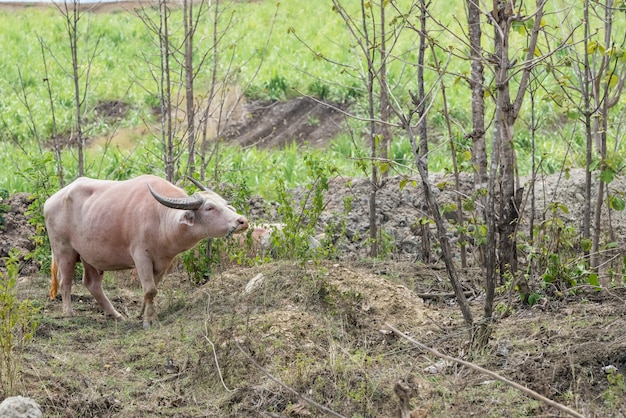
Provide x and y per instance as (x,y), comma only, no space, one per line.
(489,373)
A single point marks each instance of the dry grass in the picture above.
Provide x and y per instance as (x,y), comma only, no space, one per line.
(319,329)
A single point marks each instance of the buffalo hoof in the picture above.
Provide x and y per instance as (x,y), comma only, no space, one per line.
(118,317)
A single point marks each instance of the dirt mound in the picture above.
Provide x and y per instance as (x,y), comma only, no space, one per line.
(279,123)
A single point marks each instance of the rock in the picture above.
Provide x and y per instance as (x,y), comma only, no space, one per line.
(20,407)
(254,283)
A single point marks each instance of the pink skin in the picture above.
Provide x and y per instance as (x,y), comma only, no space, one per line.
(111,225)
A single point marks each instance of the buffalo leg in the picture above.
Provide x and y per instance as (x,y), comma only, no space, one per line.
(66,264)
(146,277)
(92,279)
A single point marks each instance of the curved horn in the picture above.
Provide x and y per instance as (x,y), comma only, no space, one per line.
(198,184)
(185,203)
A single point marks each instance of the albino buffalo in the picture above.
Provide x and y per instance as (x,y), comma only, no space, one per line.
(143,223)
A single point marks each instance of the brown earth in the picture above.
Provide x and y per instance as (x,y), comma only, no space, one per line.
(276,124)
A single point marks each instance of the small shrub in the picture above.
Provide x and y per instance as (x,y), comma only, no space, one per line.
(555,253)
(17,328)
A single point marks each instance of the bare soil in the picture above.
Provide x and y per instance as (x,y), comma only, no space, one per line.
(320,328)
(278,123)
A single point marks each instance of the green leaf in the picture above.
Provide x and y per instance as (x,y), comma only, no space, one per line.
(585,244)
(533,298)
(611,80)
(607,175)
(617,203)
(592,47)
(469,205)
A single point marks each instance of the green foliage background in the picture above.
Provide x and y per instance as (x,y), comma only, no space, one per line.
(302,33)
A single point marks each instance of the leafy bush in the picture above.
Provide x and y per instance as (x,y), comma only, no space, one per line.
(556,256)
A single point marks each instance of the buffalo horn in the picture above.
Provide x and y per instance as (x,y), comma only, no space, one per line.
(184,203)
(198,184)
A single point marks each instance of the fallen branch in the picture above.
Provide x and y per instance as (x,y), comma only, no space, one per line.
(496,376)
(299,395)
(442,295)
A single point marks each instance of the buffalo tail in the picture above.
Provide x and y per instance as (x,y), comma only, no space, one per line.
(54,282)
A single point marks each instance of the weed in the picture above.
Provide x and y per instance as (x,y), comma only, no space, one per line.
(17,327)
(336,230)
(313,121)
(613,396)
(319,89)
(4,208)
(277,88)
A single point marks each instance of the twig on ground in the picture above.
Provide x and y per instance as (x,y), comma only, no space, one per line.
(496,376)
(206,337)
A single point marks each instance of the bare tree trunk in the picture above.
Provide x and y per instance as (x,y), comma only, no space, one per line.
(503,133)
(422,128)
(79,72)
(601,92)
(506,114)
(479,149)
(167,133)
(71,20)
(79,131)
(55,134)
(483,333)
(189,91)
(587,113)
(371,76)
(455,167)
(385,110)
(207,110)
(420,162)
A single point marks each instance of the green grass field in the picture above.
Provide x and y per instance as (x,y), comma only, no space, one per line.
(277,50)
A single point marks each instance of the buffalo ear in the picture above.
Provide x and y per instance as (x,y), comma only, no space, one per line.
(188,217)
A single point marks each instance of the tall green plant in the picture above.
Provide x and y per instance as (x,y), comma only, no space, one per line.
(300,217)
